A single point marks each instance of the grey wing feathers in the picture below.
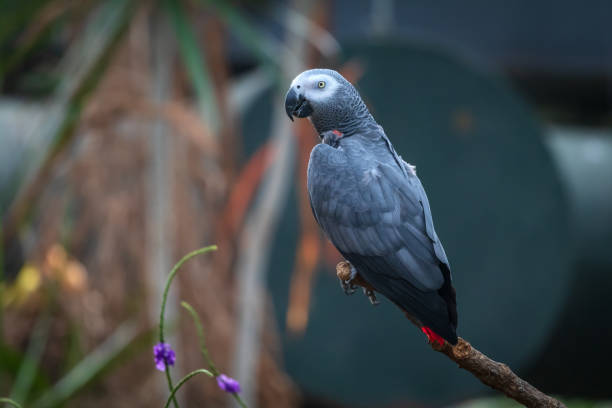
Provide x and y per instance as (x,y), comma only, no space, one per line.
(429,225)
(382,214)
(378,217)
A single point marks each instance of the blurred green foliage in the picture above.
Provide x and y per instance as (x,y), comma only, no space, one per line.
(37,39)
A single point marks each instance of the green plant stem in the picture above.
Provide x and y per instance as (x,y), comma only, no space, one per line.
(10,402)
(29,365)
(173,272)
(200,331)
(170,387)
(239,400)
(183,381)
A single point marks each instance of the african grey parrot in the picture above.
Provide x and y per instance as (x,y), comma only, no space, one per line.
(371,204)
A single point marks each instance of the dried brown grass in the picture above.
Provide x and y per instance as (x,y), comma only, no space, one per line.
(95,203)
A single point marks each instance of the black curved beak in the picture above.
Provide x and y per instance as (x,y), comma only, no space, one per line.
(296,104)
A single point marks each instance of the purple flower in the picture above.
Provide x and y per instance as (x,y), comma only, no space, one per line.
(228,384)
(163,356)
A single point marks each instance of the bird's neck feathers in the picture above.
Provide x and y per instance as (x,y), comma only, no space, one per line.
(348,118)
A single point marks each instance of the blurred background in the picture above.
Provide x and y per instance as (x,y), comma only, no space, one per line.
(132,132)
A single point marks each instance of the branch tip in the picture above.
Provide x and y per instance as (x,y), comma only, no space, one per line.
(490,372)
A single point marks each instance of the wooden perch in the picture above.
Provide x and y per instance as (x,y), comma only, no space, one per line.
(496,375)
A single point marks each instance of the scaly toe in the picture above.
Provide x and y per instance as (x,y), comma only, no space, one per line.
(349,288)
(372,296)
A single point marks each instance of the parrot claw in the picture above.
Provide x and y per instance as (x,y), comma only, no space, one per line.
(347,285)
(372,296)
(347,275)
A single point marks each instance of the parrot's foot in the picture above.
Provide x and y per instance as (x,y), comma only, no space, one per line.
(346,281)
(349,280)
(371,295)
(348,288)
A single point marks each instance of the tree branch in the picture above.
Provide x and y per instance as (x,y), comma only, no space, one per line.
(496,375)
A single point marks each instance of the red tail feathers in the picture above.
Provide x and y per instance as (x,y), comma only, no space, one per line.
(432,337)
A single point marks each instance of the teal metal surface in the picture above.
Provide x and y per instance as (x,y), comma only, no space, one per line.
(499,208)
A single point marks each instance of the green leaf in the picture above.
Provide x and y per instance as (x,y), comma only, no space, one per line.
(83,65)
(263,48)
(10,402)
(29,365)
(10,361)
(195,63)
(43,37)
(90,367)
(14,14)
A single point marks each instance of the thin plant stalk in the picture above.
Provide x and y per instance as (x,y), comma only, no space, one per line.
(10,402)
(170,385)
(200,330)
(239,400)
(29,365)
(183,381)
(173,272)
(211,364)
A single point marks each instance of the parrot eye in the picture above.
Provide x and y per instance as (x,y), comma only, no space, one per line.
(321,84)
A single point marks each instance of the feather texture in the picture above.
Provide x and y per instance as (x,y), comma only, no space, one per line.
(373,208)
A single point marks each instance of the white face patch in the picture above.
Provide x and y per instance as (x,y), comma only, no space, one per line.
(316,87)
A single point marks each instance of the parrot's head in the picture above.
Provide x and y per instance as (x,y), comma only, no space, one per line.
(329,100)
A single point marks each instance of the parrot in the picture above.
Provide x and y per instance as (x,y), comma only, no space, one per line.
(372,206)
